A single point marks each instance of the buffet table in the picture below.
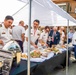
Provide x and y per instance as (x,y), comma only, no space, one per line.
(48,65)
(41,68)
(22,69)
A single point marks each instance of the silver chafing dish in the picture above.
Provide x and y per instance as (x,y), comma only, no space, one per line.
(6,58)
(14,47)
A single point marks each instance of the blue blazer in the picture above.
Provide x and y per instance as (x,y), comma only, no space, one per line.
(56,37)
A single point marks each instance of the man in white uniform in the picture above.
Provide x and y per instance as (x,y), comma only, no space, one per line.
(34,36)
(18,33)
(4,30)
(35,33)
(44,36)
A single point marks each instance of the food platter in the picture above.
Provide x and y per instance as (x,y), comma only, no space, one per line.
(35,54)
(54,50)
(39,55)
(42,58)
(24,56)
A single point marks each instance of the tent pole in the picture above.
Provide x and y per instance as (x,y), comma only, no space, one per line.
(29,31)
(67,58)
(67,61)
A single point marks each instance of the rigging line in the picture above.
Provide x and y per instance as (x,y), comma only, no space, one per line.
(20,9)
(38,3)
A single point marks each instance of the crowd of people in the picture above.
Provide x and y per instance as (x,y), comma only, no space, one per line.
(39,38)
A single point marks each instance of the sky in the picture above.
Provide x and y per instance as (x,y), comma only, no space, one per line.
(9,7)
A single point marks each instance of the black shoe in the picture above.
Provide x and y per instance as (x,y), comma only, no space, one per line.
(74,61)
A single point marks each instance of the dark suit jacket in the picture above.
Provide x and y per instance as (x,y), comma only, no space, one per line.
(56,37)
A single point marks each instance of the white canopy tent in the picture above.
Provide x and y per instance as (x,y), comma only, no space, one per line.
(48,13)
(44,10)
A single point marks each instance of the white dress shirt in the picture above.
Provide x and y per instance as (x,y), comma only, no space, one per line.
(5,35)
(33,39)
(44,36)
(74,39)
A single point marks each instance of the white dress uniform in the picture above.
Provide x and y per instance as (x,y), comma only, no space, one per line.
(35,33)
(33,39)
(44,36)
(25,43)
(5,35)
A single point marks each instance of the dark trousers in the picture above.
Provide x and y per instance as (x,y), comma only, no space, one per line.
(50,43)
(69,40)
(20,44)
(74,51)
(36,42)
